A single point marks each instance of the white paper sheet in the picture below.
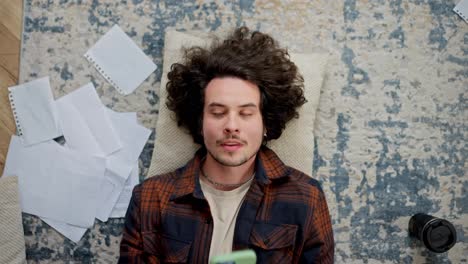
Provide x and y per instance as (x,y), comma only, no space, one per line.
(111,188)
(133,137)
(462,9)
(120,208)
(34,110)
(120,60)
(131,133)
(74,233)
(85,123)
(56,182)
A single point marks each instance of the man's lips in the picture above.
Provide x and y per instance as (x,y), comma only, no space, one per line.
(231,145)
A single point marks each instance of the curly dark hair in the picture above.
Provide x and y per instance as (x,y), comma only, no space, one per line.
(251,56)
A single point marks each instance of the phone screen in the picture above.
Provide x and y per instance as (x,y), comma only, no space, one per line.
(237,257)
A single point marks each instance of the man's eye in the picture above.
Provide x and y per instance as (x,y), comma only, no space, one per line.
(217,114)
(246,114)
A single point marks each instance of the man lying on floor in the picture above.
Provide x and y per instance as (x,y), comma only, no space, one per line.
(235,193)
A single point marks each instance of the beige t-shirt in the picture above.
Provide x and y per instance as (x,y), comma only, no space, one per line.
(224,206)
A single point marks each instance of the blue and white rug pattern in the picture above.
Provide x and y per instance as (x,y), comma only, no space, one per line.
(391,130)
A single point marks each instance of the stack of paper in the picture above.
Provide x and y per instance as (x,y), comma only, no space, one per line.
(91,175)
(53,179)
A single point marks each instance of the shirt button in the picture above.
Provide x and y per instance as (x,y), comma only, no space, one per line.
(266,241)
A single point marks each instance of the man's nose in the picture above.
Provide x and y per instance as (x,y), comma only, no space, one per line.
(232,125)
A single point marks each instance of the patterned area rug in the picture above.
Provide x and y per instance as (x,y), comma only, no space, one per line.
(391,130)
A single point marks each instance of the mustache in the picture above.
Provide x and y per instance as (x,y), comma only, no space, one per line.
(235,137)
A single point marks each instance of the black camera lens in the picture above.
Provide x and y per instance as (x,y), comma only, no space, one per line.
(438,235)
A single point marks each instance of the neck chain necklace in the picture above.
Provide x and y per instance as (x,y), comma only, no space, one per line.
(218,184)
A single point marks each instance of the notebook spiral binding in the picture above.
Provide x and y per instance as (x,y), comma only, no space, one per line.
(103,73)
(461,14)
(19,130)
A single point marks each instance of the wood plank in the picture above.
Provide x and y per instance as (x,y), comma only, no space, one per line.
(9,43)
(9,51)
(5,136)
(6,115)
(7,78)
(7,123)
(9,63)
(11,16)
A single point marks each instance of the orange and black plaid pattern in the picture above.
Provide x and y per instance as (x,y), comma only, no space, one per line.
(284,217)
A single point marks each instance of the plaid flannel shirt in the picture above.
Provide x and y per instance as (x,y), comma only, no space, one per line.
(284,217)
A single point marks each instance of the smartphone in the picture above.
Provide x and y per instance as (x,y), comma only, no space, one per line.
(246,256)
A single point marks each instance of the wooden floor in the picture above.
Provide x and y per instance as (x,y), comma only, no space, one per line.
(11,16)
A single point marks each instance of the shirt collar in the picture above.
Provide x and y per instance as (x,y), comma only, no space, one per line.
(268,168)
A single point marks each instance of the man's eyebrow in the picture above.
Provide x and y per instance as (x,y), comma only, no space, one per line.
(214,104)
(248,105)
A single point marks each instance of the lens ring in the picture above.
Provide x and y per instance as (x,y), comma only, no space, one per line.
(427,235)
(427,225)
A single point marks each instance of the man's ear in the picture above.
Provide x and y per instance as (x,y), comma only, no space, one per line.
(264,139)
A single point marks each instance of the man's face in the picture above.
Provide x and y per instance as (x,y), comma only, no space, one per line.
(232,121)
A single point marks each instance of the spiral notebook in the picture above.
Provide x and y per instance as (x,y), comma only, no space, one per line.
(462,9)
(35,112)
(120,61)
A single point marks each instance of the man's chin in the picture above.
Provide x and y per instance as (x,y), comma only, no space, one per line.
(231,162)
(233,159)
(229,159)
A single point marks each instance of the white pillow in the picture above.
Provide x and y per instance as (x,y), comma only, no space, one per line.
(12,247)
(173,146)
